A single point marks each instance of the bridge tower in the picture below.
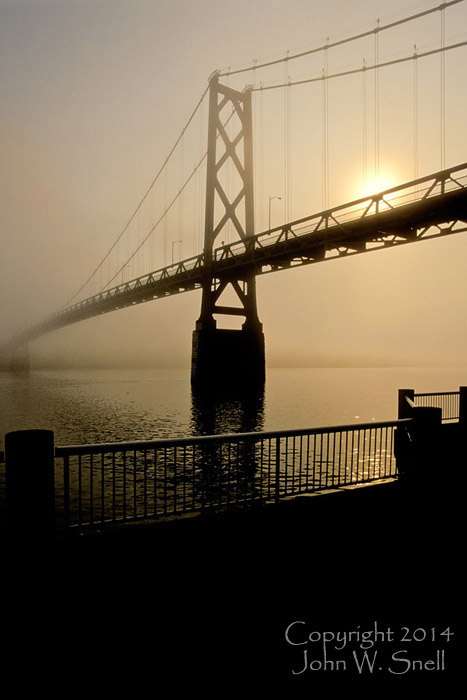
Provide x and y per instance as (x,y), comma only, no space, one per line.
(219,355)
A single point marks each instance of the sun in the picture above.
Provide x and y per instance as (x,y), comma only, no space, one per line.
(363,187)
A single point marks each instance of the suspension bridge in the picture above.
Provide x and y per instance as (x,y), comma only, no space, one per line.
(217,223)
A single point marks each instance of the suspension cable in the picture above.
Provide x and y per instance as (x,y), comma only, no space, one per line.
(340,42)
(384,64)
(163,216)
(161,169)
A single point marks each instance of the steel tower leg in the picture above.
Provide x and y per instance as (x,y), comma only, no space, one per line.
(225,356)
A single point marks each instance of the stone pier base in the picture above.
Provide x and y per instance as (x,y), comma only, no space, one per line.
(227,358)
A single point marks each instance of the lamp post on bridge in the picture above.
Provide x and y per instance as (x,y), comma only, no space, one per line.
(270,200)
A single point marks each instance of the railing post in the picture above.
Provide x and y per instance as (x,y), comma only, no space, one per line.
(403,448)
(404,408)
(278,468)
(463,406)
(29,476)
(425,453)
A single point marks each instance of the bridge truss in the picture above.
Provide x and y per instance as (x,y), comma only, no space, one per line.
(423,209)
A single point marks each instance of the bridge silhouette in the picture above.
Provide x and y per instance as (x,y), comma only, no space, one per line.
(438,207)
(421,209)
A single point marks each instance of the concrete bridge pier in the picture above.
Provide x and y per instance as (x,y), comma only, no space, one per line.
(224,358)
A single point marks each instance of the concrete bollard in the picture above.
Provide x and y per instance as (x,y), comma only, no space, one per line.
(29,476)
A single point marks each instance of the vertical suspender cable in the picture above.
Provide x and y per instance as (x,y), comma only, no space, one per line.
(325,150)
(255,146)
(139,237)
(261,156)
(327,126)
(377,103)
(200,239)
(443,93)
(415,114)
(323,141)
(365,176)
(286,138)
(289,193)
(151,221)
(164,245)
(180,199)
(228,184)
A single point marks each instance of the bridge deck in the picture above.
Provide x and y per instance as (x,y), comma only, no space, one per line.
(426,208)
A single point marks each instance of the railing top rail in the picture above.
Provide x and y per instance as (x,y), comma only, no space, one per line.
(438,393)
(434,178)
(68,450)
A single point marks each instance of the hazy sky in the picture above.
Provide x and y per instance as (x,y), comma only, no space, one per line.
(95,92)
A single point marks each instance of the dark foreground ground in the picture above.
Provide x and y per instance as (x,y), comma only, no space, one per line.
(201,607)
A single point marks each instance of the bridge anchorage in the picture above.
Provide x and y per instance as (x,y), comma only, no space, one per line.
(234,357)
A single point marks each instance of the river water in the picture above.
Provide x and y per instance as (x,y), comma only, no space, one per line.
(90,406)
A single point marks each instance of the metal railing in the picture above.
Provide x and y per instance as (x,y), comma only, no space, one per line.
(448,401)
(129,481)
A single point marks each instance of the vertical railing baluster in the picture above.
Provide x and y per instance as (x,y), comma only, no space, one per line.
(66,491)
(339,459)
(343,457)
(102,487)
(357,452)
(193,489)
(175,480)
(145,483)
(165,481)
(91,488)
(278,469)
(261,470)
(316,461)
(184,480)
(124,482)
(269,444)
(219,471)
(135,464)
(155,483)
(379,453)
(113,488)
(293,464)
(80,492)
(328,440)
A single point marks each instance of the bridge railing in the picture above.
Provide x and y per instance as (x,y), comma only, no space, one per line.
(83,486)
(128,481)
(448,401)
(453,404)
